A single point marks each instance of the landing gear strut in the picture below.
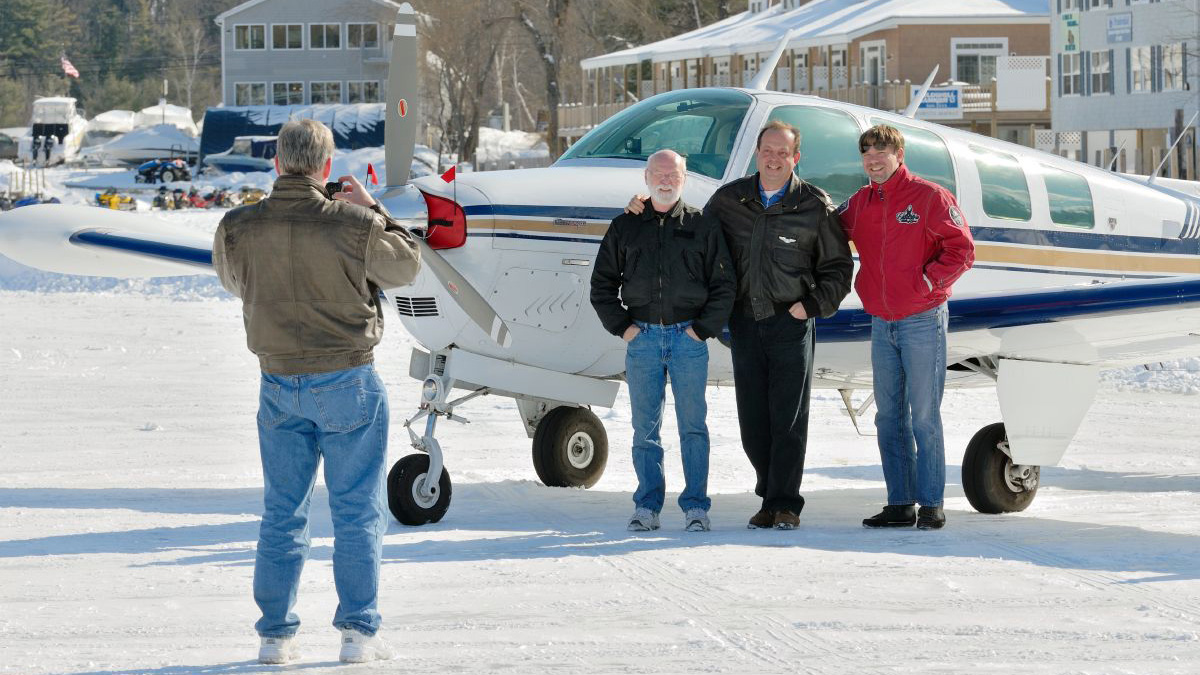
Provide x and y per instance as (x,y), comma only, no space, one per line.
(418,486)
(990,479)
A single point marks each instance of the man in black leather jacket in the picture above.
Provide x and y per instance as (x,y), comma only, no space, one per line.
(663,282)
(793,264)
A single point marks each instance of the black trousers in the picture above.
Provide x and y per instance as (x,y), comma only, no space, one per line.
(772,375)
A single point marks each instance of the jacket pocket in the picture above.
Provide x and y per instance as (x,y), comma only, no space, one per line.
(791,278)
(636,283)
(342,406)
(270,414)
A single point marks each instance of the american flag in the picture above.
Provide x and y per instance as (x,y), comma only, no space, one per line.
(68,68)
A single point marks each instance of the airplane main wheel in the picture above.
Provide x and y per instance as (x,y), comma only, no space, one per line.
(992,483)
(405,500)
(570,448)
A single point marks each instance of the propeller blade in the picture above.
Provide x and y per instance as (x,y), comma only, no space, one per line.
(400,126)
(465,295)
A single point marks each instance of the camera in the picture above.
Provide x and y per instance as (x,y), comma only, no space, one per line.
(331,187)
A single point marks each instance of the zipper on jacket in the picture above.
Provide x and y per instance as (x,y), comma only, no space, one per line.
(662,305)
(883,251)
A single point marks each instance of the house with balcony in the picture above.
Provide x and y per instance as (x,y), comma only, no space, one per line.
(1125,83)
(869,52)
(299,52)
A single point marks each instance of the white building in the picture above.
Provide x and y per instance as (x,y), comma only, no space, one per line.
(298,52)
(1125,75)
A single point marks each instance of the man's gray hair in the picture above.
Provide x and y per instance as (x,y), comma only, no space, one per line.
(303,147)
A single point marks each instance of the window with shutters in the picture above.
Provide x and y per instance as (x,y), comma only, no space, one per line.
(1101,72)
(1140,69)
(1072,78)
(1172,67)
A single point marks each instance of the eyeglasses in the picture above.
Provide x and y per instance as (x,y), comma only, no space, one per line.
(879,146)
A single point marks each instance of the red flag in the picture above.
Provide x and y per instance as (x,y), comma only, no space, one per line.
(68,68)
(374,180)
(449,175)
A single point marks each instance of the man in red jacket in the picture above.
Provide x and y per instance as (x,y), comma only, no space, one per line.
(913,243)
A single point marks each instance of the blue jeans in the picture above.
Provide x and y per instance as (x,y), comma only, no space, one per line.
(656,352)
(908,362)
(343,417)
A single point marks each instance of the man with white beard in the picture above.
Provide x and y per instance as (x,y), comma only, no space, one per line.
(664,283)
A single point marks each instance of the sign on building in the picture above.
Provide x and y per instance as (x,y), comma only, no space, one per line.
(1120,27)
(941,103)
(1070,24)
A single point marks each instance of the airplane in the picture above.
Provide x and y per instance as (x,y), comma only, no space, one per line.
(1077,269)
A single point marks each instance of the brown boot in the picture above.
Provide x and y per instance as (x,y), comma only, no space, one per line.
(763,520)
(786,520)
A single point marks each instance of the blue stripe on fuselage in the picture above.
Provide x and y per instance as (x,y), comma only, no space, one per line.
(174,252)
(1082,240)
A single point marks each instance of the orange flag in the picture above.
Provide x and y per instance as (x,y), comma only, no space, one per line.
(374,180)
(449,175)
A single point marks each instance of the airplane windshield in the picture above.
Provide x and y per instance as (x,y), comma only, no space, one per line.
(702,125)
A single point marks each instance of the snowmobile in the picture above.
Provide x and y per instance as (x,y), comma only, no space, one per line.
(111,199)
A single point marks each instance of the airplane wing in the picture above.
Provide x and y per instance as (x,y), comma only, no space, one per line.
(1107,325)
(101,242)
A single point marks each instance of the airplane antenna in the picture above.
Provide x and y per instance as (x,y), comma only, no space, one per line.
(1112,166)
(759,83)
(1182,133)
(915,103)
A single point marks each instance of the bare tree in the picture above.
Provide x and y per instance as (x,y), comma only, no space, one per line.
(463,39)
(546,23)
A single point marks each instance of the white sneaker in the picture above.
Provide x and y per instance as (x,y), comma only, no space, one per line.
(643,520)
(278,650)
(359,647)
(695,520)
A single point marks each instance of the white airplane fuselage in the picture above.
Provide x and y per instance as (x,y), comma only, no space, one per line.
(533,236)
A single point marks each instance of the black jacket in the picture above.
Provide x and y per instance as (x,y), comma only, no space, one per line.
(663,268)
(794,251)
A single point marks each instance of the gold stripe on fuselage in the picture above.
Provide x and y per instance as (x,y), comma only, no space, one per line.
(985,252)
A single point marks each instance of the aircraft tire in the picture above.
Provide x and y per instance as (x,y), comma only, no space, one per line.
(570,448)
(404,499)
(986,474)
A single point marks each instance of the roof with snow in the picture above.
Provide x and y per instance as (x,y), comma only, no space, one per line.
(821,22)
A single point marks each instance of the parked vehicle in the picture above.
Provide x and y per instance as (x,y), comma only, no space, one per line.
(163,171)
(248,153)
(111,199)
(55,133)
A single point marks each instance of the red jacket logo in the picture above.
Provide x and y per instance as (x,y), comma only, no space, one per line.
(907,216)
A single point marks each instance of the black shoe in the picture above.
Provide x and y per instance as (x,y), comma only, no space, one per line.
(902,515)
(930,518)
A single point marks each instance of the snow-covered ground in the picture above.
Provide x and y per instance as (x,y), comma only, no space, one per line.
(130,493)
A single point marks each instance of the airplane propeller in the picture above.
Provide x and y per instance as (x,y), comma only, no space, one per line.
(400,138)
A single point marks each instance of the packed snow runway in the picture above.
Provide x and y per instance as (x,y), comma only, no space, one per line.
(130,491)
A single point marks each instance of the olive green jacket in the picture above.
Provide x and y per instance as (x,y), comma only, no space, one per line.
(309,272)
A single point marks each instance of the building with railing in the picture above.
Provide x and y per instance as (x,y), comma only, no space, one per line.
(872,52)
(1126,82)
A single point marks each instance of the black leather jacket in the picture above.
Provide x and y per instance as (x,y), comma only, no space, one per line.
(793,251)
(663,268)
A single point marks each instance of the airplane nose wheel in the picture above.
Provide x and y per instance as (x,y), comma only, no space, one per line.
(570,448)
(409,499)
(990,479)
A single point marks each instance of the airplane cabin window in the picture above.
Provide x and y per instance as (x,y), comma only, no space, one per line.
(1070,198)
(702,125)
(926,155)
(828,149)
(1005,190)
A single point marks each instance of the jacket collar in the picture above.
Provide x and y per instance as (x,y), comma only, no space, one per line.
(894,183)
(291,186)
(649,213)
(750,191)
